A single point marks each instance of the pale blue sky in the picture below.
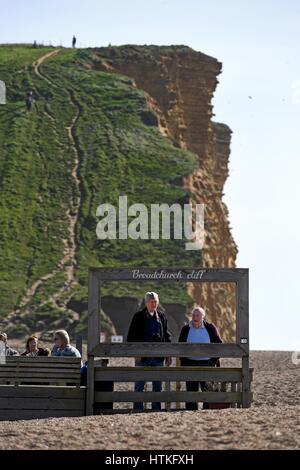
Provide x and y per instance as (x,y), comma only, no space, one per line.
(258,44)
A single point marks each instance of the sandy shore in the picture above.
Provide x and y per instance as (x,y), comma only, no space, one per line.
(272,422)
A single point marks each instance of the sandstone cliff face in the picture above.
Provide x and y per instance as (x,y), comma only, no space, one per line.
(180,83)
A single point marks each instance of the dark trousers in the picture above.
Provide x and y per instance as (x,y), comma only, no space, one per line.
(194,386)
(156,385)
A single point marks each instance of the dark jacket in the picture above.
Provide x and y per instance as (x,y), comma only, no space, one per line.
(42,352)
(137,329)
(214,337)
(136,332)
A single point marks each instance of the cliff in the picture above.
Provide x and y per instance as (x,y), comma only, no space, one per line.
(101,120)
(180,83)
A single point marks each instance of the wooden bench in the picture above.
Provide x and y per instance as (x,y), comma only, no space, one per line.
(18,370)
(36,387)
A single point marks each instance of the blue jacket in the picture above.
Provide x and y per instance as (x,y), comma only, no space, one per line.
(68,351)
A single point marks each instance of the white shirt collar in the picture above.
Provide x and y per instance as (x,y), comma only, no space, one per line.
(152,313)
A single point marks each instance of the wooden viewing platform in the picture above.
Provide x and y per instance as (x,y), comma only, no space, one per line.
(41,387)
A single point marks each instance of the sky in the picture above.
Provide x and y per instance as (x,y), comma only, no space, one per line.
(258,96)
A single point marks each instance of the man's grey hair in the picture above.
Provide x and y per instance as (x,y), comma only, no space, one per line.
(63,335)
(151,296)
(199,309)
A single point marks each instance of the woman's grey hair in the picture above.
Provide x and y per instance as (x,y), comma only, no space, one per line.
(151,296)
(63,335)
(3,337)
(199,309)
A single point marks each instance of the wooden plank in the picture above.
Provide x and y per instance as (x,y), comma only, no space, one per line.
(42,403)
(132,374)
(90,386)
(131,411)
(40,381)
(245,382)
(51,360)
(40,378)
(169,274)
(34,380)
(50,372)
(178,384)
(11,415)
(212,397)
(36,373)
(239,389)
(233,388)
(38,391)
(168,349)
(74,369)
(93,311)
(227,370)
(40,365)
(167,389)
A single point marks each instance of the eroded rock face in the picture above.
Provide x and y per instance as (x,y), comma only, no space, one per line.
(180,83)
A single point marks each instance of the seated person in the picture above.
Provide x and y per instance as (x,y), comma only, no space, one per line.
(32,349)
(62,346)
(8,350)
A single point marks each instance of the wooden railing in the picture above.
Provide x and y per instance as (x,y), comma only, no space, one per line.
(227,384)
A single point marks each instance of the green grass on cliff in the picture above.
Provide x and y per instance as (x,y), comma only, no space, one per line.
(119,155)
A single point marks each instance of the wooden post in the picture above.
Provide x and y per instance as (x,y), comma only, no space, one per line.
(79,344)
(93,311)
(242,304)
(146,389)
(242,310)
(90,391)
(233,388)
(245,382)
(239,389)
(178,385)
(93,336)
(167,389)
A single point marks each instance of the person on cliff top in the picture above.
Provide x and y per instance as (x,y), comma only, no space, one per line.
(74,42)
(29,99)
(149,325)
(198,330)
(5,349)
(32,348)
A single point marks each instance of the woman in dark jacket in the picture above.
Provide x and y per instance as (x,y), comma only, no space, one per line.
(198,330)
(32,349)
